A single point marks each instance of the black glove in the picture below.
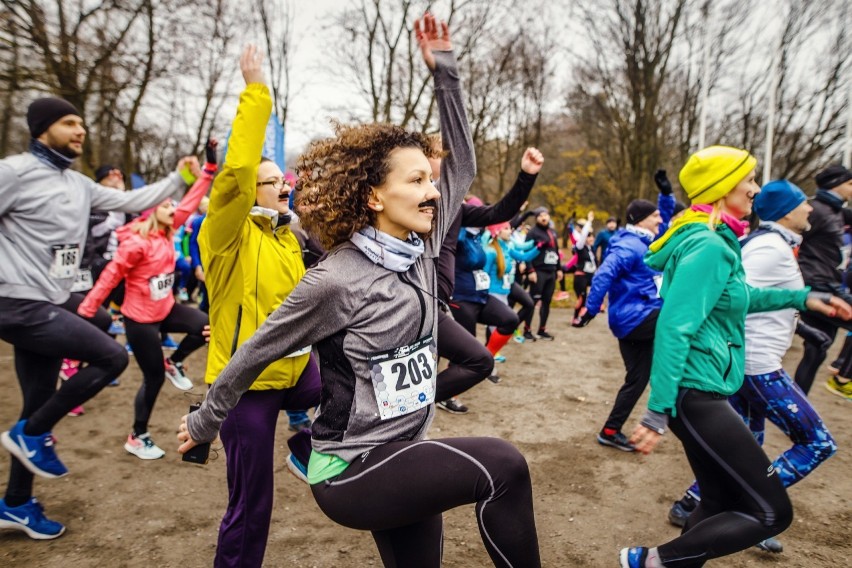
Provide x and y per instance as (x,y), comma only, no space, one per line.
(583,320)
(663,183)
(210,150)
(814,336)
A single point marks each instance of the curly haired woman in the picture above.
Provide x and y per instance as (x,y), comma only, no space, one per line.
(369,310)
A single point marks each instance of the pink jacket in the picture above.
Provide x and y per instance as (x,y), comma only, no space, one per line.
(147,265)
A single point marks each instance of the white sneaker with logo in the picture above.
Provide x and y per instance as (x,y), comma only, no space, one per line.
(174,372)
(143,447)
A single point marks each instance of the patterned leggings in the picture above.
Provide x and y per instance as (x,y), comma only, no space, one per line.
(777,397)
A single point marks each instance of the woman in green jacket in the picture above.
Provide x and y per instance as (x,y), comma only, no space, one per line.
(698,363)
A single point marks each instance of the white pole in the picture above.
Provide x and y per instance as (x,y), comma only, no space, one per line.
(705,76)
(770,118)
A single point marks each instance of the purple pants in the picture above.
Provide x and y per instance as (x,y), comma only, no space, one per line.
(248,437)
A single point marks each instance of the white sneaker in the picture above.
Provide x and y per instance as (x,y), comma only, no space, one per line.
(174,372)
(143,447)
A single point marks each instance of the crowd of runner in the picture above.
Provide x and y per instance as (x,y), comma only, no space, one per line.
(344,303)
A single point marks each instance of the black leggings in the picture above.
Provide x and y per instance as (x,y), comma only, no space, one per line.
(542,289)
(741,504)
(391,492)
(492,312)
(581,289)
(470,361)
(814,355)
(145,340)
(518,295)
(42,335)
(637,351)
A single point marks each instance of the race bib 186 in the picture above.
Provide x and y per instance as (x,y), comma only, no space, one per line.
(66,260)
(404,377)
(160,286)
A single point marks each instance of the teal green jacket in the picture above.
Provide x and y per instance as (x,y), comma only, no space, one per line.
(701,328)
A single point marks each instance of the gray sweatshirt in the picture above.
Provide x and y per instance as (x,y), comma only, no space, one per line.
(350,309)
(44,217)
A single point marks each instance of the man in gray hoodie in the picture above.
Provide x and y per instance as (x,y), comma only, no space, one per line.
(44,208)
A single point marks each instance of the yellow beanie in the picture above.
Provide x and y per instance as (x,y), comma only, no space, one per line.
(711,173)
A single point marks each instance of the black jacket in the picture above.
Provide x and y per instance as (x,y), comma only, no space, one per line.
(547,243)
(820,254)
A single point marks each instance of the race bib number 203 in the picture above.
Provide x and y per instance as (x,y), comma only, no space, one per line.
(404,377)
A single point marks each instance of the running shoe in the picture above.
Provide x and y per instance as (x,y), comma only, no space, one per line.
(299,426)
(618,441)
(518,336)
(544,336)
(843,390)
(77,411)
(633,557)
(114,383)
(129,349)
(69,368)
(499,358)
(36,453)
(297,468)
(174,372)
(681,510)
(494,379)
(143,447)
(29,518)
(453,406)
(528,336)
(169,343)
(116,327)
(182,296)
(561,296)
(772,545)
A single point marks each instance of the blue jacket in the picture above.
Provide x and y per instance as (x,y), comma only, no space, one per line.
(512,255)
(470,257)
(628,280)
(666,205)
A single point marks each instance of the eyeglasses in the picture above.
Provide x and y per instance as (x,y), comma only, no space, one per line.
(277,184)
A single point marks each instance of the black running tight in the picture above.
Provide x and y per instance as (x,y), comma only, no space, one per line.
(518,295)
(399,490)
(470,361)
(43,334)
(541,290)
(742,499)
(145,340)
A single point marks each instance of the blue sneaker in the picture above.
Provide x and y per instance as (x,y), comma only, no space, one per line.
(297,468)
(129,349)
(633,557)
(116,327)
(114,383)
(36,453)
(29,518)
(169,343)
(499,358)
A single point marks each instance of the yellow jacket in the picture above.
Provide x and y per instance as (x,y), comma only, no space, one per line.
(250,268)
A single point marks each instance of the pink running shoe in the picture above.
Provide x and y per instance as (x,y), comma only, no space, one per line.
(69,368)
(77,411)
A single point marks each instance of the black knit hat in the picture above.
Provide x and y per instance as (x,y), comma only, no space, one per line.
(639,209)
(42,113)
(832,176)
(104,171)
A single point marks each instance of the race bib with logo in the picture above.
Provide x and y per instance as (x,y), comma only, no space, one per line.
(589,267)
(83,281)
(66,261)
(551,257)
(482,280)
(404,377)
(508,279)
(161,286)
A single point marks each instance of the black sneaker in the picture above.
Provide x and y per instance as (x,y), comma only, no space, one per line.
(681,510)
(544,336)
(617,440)
(528,336)
(494,378)
(452,406)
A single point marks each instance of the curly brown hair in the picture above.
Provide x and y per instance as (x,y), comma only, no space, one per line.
(337,176)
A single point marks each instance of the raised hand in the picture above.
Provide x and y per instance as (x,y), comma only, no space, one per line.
(432,36)
(251,62)
(591,216)
(210,150)
(532,161)
(663,183)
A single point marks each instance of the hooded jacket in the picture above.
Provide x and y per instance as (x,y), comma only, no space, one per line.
(820,255)
(43,213)
(512,255)
(352,310)
(250,267)
(628,280)
(146,264)
(700,335)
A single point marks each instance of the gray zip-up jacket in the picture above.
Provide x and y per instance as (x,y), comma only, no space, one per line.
(349,309)
(44,210)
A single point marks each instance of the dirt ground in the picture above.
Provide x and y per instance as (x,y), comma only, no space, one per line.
(590,501)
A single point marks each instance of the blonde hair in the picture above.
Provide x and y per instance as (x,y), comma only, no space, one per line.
(143,227)
(715,215)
